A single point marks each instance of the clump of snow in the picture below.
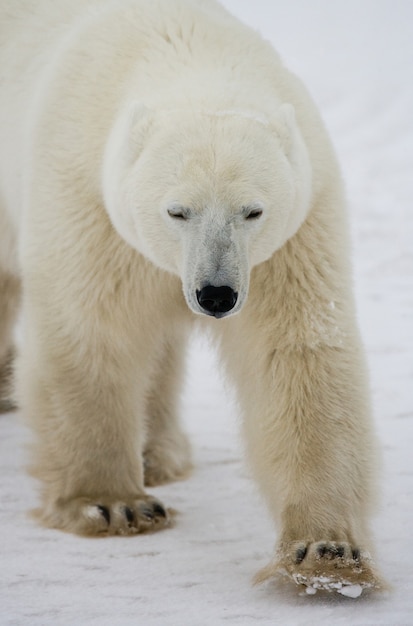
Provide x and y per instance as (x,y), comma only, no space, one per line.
(92,512)
(310,591)
(351,591)
(324,583)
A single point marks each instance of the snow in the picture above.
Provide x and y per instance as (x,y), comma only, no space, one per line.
(357,59)
(324,583)
(351,591)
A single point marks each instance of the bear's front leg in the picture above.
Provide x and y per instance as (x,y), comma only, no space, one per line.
(88,447)
(311,449)
(82,377)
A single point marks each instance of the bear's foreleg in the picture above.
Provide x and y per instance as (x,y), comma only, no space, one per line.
(311,449)
(87,359)
(313,454)
(87,453)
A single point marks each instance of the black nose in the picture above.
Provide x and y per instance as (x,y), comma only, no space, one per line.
(217,300)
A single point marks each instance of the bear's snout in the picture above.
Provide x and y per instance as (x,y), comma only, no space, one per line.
(216,301)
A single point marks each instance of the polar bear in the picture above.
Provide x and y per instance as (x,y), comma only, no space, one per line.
(160,166)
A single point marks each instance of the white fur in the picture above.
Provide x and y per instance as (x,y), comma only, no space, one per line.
(148,149)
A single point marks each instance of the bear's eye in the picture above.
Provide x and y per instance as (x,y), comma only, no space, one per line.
(253,214)
(178,213)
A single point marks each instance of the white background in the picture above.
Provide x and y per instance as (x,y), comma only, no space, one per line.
(356,57)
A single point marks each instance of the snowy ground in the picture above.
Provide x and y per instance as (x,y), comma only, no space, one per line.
(357,59)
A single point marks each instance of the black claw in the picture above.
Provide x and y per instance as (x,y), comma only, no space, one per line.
(159,510)
(356,554)
(332,551)
(322,550)
(128,514)
(147,512)
(340,551)
(300,554)
(104,512)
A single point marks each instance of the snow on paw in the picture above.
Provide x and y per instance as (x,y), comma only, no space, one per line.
(324,566)
(104,517)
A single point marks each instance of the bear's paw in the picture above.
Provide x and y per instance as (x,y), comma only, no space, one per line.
(324,566)
(104,517)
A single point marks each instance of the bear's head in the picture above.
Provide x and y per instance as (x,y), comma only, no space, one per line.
(207,195)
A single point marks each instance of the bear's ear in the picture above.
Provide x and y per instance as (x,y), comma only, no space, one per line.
(137,124)
(124,146)
(284,125)
(127,137)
